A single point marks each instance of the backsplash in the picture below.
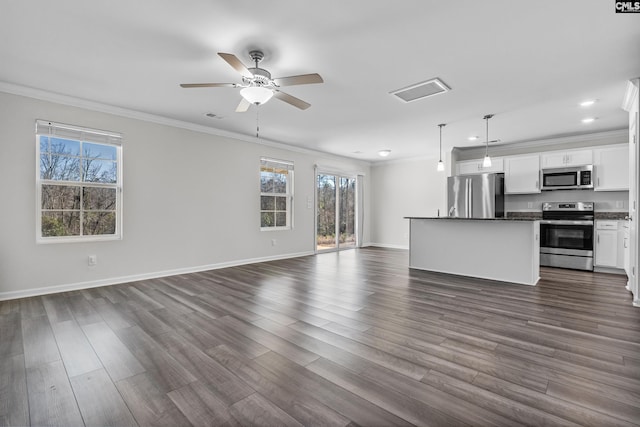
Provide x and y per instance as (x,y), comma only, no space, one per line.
(605,201)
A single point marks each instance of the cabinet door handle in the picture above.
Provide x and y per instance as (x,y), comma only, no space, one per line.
(598,239)
(537,185)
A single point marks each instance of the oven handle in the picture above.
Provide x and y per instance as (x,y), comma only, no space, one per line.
(565,222)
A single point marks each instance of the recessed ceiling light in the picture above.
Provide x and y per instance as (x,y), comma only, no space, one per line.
(212,115)
(384,153)
(473,138)
(588,119)
(588,103)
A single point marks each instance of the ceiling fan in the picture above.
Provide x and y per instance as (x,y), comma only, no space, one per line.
(257,86)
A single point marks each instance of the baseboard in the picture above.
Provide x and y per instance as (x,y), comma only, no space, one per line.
(144,276)
(388,246)
(609,270)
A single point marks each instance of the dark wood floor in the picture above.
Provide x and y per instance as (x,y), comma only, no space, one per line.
(354,338)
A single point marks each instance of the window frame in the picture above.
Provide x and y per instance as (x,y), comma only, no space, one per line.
(45,128)
(289,194)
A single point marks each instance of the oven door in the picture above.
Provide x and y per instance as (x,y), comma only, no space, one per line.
(567,237)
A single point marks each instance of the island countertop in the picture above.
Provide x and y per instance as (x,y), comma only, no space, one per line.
(472,219)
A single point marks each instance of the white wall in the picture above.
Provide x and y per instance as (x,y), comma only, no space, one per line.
(191,201)
(400,189)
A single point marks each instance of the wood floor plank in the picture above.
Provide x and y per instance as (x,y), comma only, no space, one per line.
(201,406)
(255,410)
(243,345)
(360,410)
(57,307)
(506,407)
(39,344)
(302,407)
(14,401)
(398,404)
(99,401)
(563,408)
(82,310)
(270,341)
(149,404)
(116,358)
(77,354)
(166,371)
(589,401)
(227,386)
(51,400)
(10,335)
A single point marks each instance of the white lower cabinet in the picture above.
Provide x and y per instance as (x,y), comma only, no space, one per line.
(609,244)
(522,174)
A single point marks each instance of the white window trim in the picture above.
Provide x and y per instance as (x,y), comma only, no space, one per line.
(264,161)
(85,135)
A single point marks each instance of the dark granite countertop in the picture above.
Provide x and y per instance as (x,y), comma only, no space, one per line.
(611,215)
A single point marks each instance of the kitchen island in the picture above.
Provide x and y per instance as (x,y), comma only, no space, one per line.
(504,249)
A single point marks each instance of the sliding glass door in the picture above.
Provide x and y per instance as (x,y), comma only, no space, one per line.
(336,215)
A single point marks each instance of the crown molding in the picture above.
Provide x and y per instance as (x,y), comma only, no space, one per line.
(86,104)
(631,94)
(616,136)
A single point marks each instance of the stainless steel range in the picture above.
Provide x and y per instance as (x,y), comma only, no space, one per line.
(566,235)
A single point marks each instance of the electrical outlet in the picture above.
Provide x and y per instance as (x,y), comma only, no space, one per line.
(529,205)
(619,204)
(92,260)
(274,242)
(309,203)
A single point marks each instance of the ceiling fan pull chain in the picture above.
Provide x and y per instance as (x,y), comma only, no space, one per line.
(257,121)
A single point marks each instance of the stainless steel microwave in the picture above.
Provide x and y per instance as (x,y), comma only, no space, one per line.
(573,178)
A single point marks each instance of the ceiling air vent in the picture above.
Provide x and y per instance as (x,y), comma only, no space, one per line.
(421,90)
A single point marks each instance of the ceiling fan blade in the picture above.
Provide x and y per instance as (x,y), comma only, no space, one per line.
(243,106)
(296,102)
(303,79)
(236,63)
(188,85)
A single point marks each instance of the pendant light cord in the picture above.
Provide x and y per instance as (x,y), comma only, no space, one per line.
(486,152)
(441,125)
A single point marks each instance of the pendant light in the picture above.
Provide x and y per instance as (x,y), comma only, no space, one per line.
(440,162)
(486,163)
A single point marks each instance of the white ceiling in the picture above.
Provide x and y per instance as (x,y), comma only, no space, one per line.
(529,63)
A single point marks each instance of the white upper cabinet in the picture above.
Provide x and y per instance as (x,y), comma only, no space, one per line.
(611,168)
(561,159)
(522,174)
(468,167)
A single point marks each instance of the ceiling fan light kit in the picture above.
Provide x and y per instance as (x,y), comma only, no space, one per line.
(256,95)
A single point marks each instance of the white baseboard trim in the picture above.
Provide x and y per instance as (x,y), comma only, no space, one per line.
(385,245)
(144,276)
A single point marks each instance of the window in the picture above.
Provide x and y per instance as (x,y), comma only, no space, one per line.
(276,194)
(79,183)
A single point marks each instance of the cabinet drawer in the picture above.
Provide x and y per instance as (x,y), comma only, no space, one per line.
(606,225)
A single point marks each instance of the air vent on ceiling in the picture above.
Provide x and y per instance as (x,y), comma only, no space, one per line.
(421,90)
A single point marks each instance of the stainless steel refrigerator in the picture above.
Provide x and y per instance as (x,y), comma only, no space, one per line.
(476,196)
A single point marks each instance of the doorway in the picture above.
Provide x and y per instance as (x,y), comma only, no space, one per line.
(336,212)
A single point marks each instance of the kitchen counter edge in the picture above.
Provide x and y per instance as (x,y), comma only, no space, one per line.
(472,219)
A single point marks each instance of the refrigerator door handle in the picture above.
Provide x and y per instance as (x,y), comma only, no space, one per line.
(469,198)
